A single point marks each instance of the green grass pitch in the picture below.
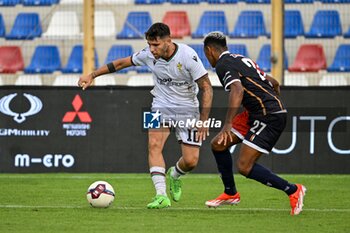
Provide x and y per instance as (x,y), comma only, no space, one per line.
(57,203)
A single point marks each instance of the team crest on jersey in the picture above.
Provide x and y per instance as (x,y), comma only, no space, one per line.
(179,66)
(195,58)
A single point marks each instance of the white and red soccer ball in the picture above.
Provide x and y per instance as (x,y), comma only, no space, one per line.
(100,194)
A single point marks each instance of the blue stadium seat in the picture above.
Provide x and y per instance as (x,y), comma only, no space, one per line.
(184,1)
(238,49)
(119,51)
(250,24)
(341,62)
(75,61)
(257,1)
(211,21)
(136,24)
(39,2)
(293,24)
(199,50)
(298,1)
(46,59)
(141,2)
(9,2)
(325,24)
(2,27)
(222,1)
(347,34)
(335,1)
(264,58)
(27,26)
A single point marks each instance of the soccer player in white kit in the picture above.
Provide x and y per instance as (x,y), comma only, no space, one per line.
(178,74)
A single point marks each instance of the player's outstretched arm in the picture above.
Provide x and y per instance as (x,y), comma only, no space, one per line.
(275,84)
(86,80)
(206,101)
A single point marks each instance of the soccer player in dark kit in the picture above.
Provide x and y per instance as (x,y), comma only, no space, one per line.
(265,118)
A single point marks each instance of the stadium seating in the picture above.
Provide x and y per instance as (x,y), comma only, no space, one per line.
(222,1)
(293,24)
(66,80)
(333,80)
(335,1)
(104,24)
(199,50)
(238,49)
(2,27)
(9,2)
(211,21)
(136,24)
(347,34)
(75,61)
(184,1)
(250,24)
(64,24)
(341,62)
(298,1)
(325,24)
(119,51)
(178,23)
(146,80)
(46,59)
(264,58)
(113,2)
(310,58)
(28,80)
(11,59)
(149,1)
(71,2)
(257,1)
(105,80)
(295,80)
(27,26)
(39,2)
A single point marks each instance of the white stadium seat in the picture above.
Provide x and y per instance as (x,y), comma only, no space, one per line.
(333,80)
(105,80)
(215,82)
(104,23)
(66,80)
(140,80)
(28,80)
(71,2)
(295,80)
(64,24)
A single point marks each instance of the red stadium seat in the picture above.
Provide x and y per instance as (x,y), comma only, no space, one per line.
(310,58)
(11,59)
(178,23)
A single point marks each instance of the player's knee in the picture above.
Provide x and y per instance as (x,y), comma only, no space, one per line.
(153,145)
(191,162)
(215,146)
(243,167)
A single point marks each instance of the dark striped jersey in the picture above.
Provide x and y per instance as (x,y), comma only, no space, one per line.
(259,96)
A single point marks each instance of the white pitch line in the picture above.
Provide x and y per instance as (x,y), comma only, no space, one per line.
(172,208)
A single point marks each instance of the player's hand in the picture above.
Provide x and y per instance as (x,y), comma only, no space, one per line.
(202,134)
(85,81)
(225,135)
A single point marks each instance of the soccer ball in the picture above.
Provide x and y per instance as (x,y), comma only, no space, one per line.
(100,194)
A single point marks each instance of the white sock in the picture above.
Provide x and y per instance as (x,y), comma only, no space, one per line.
(177,172)
(158,178)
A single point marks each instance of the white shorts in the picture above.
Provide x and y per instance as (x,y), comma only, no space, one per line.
(181,119)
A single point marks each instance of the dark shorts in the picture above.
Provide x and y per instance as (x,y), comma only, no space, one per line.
(265,131)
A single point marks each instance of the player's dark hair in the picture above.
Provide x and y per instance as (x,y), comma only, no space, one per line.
(160,30)
(216,39)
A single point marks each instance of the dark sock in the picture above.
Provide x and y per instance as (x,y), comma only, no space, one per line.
(266,177)
(224,163)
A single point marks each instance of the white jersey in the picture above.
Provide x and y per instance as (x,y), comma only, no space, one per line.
(174,79)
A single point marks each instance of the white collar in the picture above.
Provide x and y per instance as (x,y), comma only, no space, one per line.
(223,53)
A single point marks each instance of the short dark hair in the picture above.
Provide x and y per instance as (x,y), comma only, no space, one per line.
(216,39)
(160,30)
